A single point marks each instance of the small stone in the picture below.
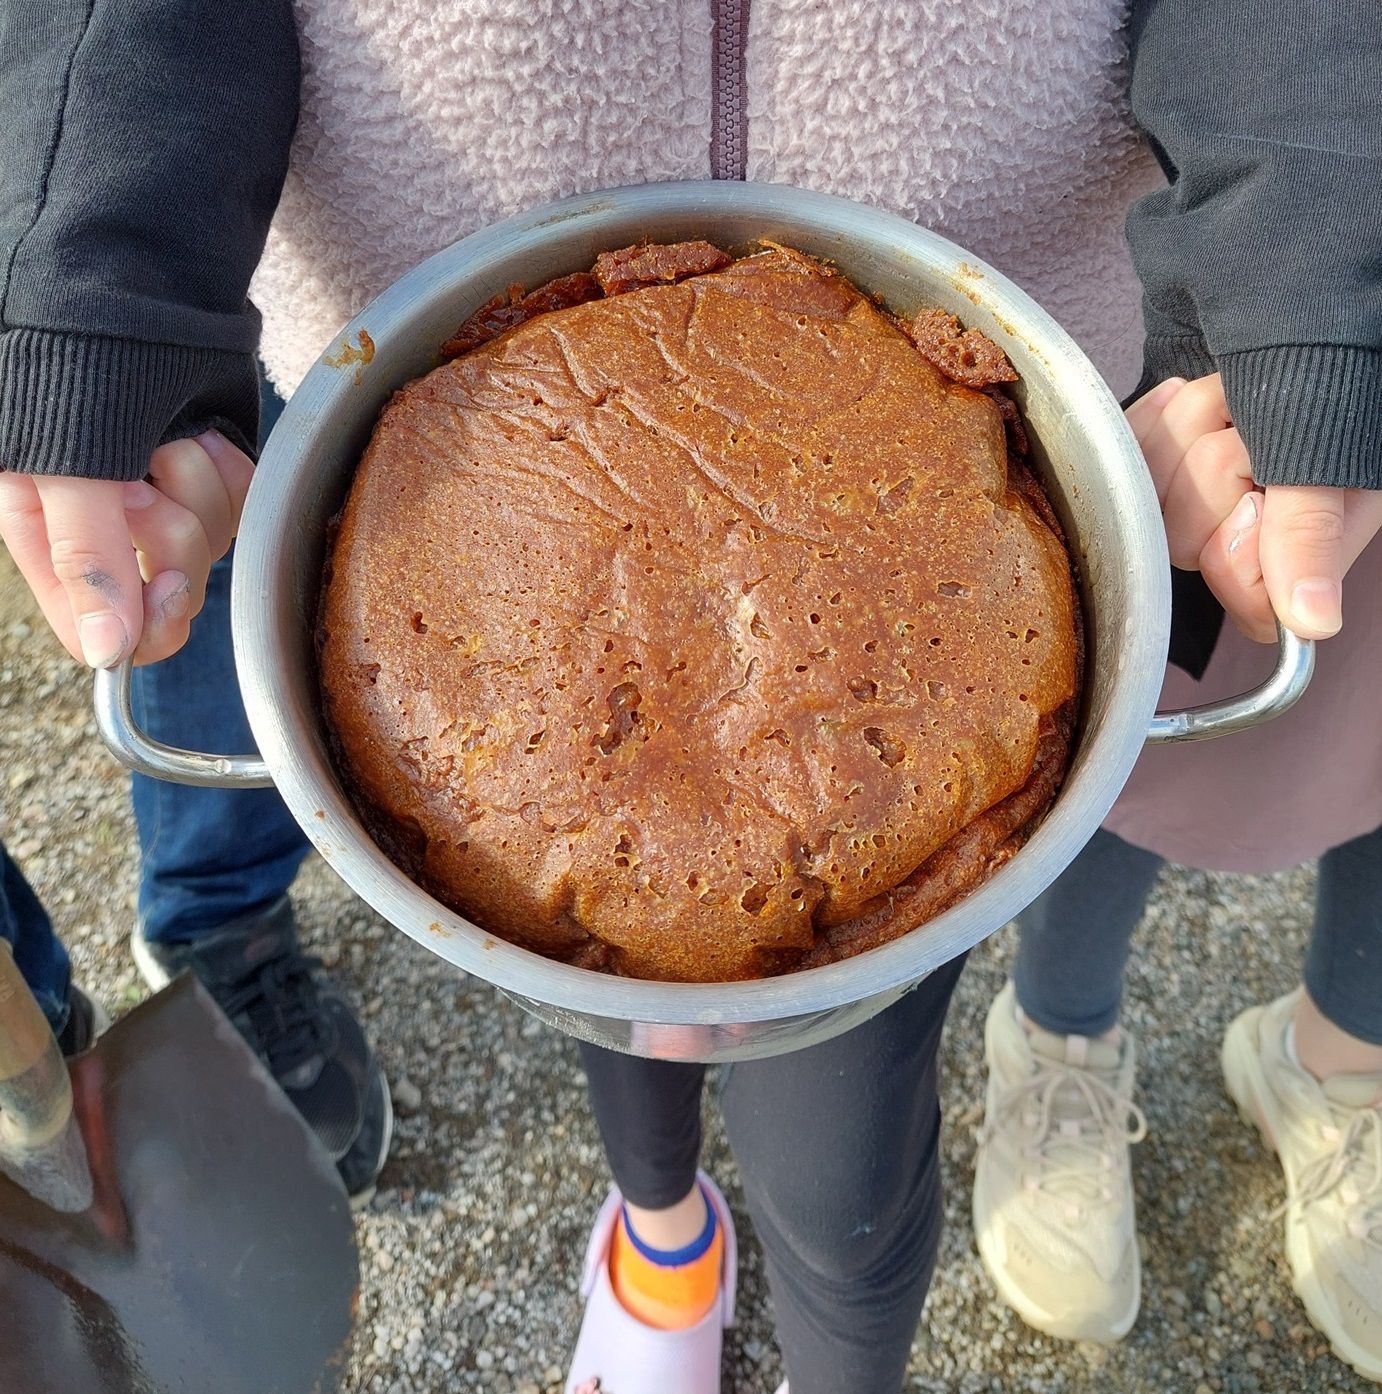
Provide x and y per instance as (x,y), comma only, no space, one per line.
(407,1096)
(1213,1305)
(1203,1388)
(1255,1360)
(1264,1329)
(551,1374)
(484,1360)
(483,1300)
(383,1260)
(528,1388)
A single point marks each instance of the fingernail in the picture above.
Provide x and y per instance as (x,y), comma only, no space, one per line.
(210,438)
(1243,519)
(1317,604)
(176,604)
(104,639)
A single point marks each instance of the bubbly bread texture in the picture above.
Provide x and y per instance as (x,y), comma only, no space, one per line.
(698,632)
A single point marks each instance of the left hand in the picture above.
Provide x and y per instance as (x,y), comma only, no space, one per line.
(1280,551)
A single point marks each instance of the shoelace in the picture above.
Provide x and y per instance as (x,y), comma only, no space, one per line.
(1353,1166)
(280,1000)
(1116,1120)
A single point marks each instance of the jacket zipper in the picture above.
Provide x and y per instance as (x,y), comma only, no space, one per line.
(729,122)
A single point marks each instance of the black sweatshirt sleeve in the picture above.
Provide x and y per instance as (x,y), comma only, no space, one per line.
(142,152)
(1263,258)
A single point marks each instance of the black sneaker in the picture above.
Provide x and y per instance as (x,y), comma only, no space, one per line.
(86,1019)
(297,1022)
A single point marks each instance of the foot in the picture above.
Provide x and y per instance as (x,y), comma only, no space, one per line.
(1053,1200)
(297,1022)
(86,1019)
(618,1354)
(1328,1137)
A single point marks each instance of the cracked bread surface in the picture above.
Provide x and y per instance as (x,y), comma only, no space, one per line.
(698,632)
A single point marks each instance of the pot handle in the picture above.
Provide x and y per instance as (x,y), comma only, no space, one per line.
(1295,666)
(140,752)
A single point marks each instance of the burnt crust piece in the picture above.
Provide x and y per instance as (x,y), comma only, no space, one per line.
(656,264)
(963,355)
(701,631)
(515,307)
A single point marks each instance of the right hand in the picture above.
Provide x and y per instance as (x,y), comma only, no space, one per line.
(1282,551)
(120,569)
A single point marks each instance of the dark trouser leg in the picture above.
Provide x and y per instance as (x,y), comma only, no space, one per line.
(649,1112)
(837,1148)
(1343,969)
(39,956)
(1075,938)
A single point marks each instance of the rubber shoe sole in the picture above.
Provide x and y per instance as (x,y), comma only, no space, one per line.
(1038,1317)
(156,978)
(1247,1086)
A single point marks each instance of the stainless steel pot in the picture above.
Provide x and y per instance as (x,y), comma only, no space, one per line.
(1084,450)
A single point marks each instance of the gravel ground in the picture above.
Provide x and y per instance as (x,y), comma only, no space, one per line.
(470,1251)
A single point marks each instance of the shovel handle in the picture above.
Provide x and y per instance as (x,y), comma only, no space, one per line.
(41,1146)
(35,1092)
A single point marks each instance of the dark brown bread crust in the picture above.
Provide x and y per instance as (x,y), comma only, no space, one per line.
(700,633)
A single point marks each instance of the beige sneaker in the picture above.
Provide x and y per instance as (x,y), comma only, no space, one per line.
(1329,1139)
(1053,1201)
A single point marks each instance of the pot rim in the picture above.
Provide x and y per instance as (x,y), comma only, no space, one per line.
(316,800)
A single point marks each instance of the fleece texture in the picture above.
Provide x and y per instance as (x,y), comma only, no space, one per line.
(1001,124)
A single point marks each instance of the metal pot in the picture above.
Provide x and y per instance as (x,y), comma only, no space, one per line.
(1087,457)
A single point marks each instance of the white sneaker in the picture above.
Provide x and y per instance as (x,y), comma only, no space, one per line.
(1329,1140)
(1053,1201)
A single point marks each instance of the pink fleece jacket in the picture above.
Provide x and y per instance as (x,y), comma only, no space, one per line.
(999,123)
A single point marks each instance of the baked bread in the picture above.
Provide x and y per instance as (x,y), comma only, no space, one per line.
(692,624)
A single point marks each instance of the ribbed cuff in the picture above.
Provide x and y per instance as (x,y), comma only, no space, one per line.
(1309,413)
(1172,356)
(86,405)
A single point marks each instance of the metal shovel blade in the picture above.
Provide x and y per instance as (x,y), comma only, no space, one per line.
(218,1254)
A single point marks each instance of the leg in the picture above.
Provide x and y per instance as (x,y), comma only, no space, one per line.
(215,872)
(1075,938)
(653,1311)
(210,856)
(649,1114)
(837,1147)
(40,957)
(1320,1105)
(1339,1023)
(1054,1212)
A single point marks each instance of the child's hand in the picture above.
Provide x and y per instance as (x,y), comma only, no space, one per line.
(1281,551)
(122,568)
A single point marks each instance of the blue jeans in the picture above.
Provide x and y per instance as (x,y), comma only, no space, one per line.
(1075,938)
(207,856)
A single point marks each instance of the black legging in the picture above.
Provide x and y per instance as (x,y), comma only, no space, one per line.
(837,1150)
